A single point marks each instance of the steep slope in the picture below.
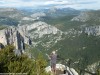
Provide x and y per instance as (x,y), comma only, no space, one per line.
(43,35)
(11,16)
(90,17)
(60,18)
(11,13)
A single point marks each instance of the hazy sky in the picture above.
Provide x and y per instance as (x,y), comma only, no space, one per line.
(78,4)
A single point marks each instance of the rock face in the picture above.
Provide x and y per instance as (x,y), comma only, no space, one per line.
(83,17)
(13,35)
(11,13)
(2,37)
(42,28)
(88,16)
(94,68)
(37,15)
(25,33)
(93,30)
(41,31)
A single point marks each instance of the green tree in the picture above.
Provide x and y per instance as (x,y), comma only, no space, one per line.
(40,64)
(10,63)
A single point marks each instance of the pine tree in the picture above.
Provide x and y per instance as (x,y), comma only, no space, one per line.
(10,63)
(40,64)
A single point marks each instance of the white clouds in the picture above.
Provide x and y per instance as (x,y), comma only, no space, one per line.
(56,2)
(84,4)
(61,3)
(18,3)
